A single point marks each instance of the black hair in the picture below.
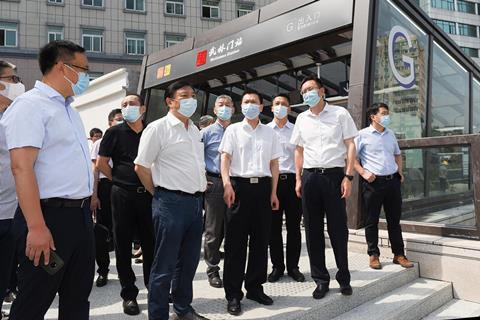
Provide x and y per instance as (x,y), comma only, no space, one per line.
(139,97)
(314,78)
(374,108)
(5,65)
(172,89)
(283,95)
(94,131)
(113,113)
(252,91)
(55,51)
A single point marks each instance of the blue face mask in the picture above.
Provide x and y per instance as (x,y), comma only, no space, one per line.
(82,83)
(250,110)
(311,98)
(224,113)
(131,113)
(187,107)
(280,111)
(385,121)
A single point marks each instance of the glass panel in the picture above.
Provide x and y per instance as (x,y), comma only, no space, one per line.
(140,47)
(2,37)
(472,52)
(11,38)
(215,13)
(476,106)
(170,8)
(449,95)
(444,4)
(87,2)
(466,6)
(98,3)
(467,30)
(438,186)
(130,4)
(446,26)
(179,8)
(140,5)
(401,70)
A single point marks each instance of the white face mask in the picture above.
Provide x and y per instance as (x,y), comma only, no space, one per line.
(12,90)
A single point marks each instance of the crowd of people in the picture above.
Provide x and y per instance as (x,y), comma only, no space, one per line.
(67,201)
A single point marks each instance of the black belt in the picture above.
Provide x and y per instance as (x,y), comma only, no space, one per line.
(387,177)
(325,170)
(137,189)
(285,176)
(212,174)
(64,203)
(183,193)
(252,180)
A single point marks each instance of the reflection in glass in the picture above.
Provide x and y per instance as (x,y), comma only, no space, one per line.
(450,83)
(404,92)
(476,106)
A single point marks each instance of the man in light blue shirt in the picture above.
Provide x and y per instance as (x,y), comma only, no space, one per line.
(379,163)
(215,207)
(52,170)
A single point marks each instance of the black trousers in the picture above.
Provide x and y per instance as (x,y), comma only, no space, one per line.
(131,209)
(386,193)
(103,229)
(215,210)
(292,206)
(248,223)
(7,249)
(72,232)
(321,194)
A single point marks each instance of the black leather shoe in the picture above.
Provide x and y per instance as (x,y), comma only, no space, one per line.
(192,315)
(275,275)
(130,307)
(260,297)
(346,290)
(297,275)
(214,280)
(102,280)
(234,307)
(320,291)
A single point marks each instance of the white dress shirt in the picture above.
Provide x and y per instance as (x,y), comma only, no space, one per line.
(287,160)
(94,156)
(251,149)
(174,154)
(8,196)
(322,136)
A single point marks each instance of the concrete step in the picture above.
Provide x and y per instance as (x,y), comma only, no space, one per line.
(456,309)
(413,301)
(296,302)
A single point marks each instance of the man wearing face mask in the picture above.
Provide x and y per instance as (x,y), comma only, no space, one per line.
(289,202)
(324,164)
(101,207)
(380,165)
(215,207)
(249,166)
(53,177)
(10,88)
(130,201)
(170,164)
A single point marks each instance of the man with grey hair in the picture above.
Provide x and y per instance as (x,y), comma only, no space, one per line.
(206,121)
(215,207)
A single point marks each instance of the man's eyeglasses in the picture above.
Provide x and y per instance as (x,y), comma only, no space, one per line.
(14,78)
(79,67)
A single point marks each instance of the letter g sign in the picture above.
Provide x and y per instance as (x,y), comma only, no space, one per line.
(405,81)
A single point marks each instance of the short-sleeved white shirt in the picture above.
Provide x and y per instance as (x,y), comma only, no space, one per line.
(322,136)
(251,149)
(286,162)
(94,156)
(174,154)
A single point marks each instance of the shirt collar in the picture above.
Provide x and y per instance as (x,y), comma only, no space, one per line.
(371,129)
(52,93)
(274,125)
(247,126)
(174,121)
(327,108)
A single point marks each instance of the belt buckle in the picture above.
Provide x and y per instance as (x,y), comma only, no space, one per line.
(321,170)
(253,180)
(141,190)
(283,177)
(83,202)
(389,177)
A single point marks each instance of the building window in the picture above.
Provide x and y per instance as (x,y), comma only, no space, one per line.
(467,30)
(136,5)
(210,9)
(444,4)
(55,1)
(472,52)
(92,40)
(172,39)
(244,8)
(8,34)
(447,26)
(134,43)
(174,7)
(466,6)
(55,33)
(93,3)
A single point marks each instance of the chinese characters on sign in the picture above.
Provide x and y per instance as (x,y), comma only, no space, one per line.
(225,49)
(304,22)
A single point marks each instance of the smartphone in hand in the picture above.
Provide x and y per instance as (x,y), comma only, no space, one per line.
(54,265)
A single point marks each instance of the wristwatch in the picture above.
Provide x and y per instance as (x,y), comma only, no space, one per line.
(349,177)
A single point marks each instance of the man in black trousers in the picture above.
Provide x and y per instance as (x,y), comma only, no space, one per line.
(130,201)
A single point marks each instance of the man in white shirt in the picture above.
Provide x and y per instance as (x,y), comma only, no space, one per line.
(289,202)
(323,137)
(249,166)
(170,163)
